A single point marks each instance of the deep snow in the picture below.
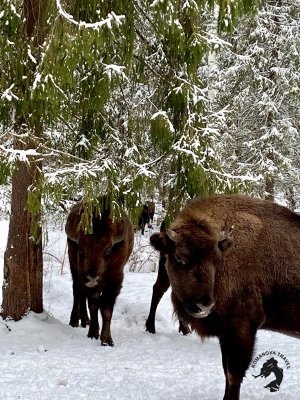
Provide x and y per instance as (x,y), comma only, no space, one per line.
(43,358)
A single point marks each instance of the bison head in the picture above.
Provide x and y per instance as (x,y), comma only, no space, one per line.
(98,249)
(193,250)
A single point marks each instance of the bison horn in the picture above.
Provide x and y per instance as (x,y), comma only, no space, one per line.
(224,234)
(172,235)
(224,240)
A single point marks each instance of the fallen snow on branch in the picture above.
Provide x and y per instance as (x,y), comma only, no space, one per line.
(111,18)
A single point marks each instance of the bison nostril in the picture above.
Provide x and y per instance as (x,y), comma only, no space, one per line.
(198,309)
(91,282)
(205,301)
(191,308)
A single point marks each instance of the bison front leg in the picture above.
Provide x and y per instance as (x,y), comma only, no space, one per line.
(93,303)
(105,337)
(107,302)
(74,318)
(83,311)
(237,349)
(79,311)
(72,252)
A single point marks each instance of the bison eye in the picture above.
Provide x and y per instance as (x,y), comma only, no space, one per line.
(107,252)
(180,260)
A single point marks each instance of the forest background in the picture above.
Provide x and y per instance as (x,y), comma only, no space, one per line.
(160,100)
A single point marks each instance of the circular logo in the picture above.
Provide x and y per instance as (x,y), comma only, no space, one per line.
(269,367)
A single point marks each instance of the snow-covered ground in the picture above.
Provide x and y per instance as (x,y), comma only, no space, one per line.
(43,358)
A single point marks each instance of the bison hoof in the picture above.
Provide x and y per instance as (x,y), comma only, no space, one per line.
(93,332)
(150,328)
(85,322)
(107,343)
(74,324)
(93,335)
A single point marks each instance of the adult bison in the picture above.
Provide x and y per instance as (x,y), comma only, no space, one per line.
(234,266)
(146,216)
(97,260)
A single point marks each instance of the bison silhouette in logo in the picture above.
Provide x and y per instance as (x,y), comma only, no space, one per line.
(268,367)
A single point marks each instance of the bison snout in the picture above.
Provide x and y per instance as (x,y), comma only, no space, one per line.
(199,309)
(91,282)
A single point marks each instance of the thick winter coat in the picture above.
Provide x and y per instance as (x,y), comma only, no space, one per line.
(97,261)
(234,266)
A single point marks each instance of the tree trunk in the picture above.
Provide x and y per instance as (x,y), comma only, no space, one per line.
(23,267)
(23,260)
(269,188)
(290,196)
(16,291)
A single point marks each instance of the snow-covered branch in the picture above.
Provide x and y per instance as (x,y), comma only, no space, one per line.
(111,18)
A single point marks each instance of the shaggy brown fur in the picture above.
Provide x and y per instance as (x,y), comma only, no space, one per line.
(234,266)
(97,261)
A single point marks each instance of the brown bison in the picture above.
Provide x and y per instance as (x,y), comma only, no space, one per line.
(146,216)
(234,266)
(97,260)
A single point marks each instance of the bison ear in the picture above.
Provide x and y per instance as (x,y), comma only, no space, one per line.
(172,235)
(225,240)
(157,241)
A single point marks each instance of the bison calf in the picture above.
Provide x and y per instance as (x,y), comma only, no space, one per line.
(97,260)
(234,267)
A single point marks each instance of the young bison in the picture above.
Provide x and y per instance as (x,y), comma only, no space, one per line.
(234,266)
(97,261)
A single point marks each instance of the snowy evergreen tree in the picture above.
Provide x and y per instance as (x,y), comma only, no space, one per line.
(43,87)
(97,100)
(259,82)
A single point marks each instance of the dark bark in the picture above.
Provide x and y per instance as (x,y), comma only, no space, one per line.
(23,260)
(269,188)
(16,290)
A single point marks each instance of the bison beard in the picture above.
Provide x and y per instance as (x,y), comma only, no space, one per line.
(96,262)
(234,267)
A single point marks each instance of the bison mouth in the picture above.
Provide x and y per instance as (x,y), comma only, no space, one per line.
(198,310)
